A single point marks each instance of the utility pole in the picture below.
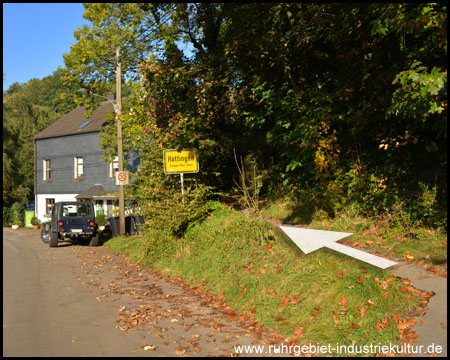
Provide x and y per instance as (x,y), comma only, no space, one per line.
(119,137)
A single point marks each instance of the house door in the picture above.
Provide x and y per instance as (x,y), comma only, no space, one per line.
(99,210)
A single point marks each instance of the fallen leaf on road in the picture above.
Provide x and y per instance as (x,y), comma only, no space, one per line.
(149,347)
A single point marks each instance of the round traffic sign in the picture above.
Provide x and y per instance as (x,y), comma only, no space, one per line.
(122,176)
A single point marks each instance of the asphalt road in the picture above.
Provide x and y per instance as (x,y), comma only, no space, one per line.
(79,301)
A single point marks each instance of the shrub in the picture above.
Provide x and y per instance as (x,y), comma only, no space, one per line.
(101,220)
(18,213)
(7,217)
(169,212)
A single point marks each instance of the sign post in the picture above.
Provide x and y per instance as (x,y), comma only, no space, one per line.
(181,162)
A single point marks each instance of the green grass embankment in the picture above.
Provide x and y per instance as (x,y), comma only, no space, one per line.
(388,234)
(323,297)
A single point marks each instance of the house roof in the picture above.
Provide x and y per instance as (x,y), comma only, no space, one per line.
(96,190)
(75,123)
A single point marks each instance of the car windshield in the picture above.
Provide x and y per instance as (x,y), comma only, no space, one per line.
(76,210)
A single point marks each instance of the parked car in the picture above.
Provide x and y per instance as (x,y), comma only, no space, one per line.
(73,221)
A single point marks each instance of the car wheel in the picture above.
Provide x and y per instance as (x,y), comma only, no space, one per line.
(53,239)
(44,235)
(94,241)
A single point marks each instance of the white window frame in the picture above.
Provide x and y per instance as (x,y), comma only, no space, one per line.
(77,166)
(114,167)
(46,170)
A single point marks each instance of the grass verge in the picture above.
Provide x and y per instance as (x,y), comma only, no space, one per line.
(389,235)
(323,297)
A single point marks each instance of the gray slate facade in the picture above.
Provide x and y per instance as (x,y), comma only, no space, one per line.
(74,136)
(61,151)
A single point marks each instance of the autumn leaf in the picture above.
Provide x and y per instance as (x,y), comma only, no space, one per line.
(148,347)
(362,311)
(262,271)
(382,325)
(343,302)
(298,333)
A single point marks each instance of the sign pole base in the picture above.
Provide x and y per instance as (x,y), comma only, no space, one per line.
(182,186)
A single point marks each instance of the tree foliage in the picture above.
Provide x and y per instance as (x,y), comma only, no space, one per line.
(345,102)
(28,109)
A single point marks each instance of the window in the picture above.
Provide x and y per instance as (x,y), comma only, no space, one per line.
(78,167)
(49,204)
(81,210)
(82,126)
(114,167)
(47,170)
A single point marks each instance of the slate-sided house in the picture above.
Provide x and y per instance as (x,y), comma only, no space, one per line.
(68,163)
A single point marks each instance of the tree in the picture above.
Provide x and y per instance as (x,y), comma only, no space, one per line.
(345,102)
(312,90)
(28,109)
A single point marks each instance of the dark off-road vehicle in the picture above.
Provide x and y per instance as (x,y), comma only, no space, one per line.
(71,220)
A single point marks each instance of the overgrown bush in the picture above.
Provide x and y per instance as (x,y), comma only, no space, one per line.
(367,194)
(250,182)
(101,220)
(18,213)
(170,212)
(7,216)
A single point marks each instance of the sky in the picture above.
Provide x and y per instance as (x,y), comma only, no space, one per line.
(35,37)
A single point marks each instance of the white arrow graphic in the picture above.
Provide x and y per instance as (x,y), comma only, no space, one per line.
(309,240)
